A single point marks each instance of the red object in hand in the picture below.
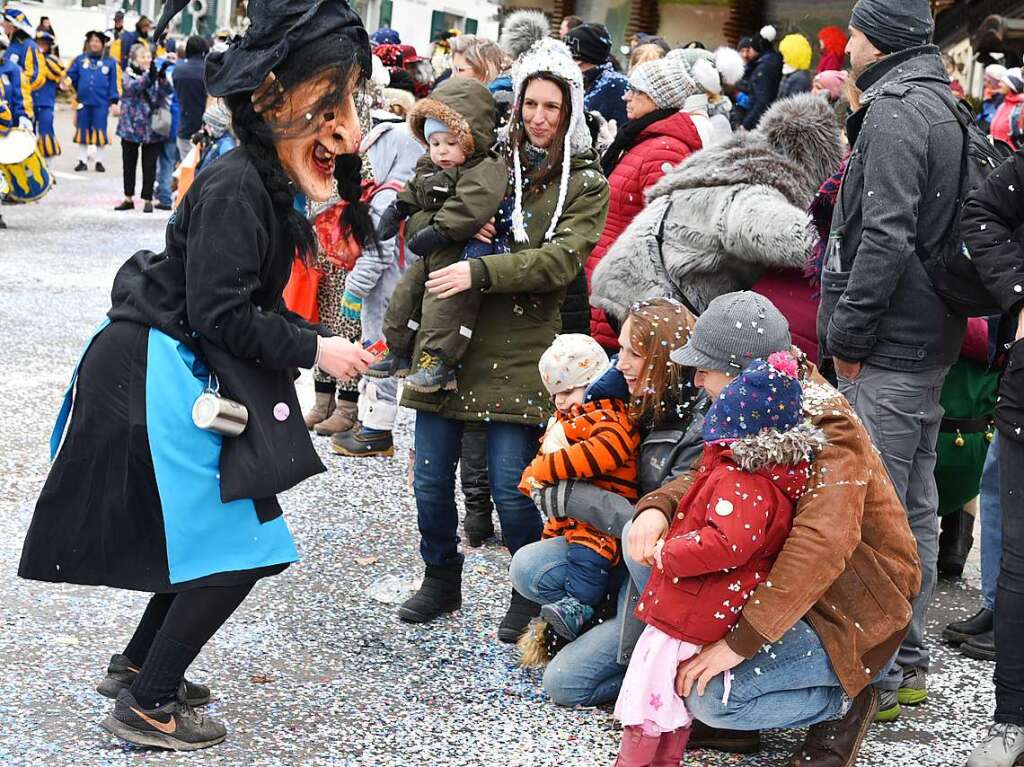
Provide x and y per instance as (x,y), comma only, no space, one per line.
(378,349)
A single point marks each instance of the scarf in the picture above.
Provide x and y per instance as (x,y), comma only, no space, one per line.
(822,206)
(627,137)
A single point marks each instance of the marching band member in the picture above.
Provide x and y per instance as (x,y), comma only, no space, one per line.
(94,76)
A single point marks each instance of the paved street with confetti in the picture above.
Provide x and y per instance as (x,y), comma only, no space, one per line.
(314,669)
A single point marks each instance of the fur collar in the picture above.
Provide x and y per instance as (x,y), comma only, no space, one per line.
(795,149)
(774,448)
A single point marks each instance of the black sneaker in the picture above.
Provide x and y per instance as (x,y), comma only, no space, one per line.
(125,205)
(392,366)
(431,375)
(148,207)
(121,672)
(99,168)
(359,443)
(175,726)
(81,166)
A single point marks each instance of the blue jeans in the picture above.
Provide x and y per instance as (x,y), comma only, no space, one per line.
(587,578)
(510,448)
(586,672)
(165,163)
(991,525)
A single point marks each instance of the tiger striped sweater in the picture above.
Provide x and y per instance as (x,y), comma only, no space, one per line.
(603,447)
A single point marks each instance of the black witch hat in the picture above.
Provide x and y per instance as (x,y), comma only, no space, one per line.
(276,28)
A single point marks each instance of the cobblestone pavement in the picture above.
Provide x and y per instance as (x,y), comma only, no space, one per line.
(311,671)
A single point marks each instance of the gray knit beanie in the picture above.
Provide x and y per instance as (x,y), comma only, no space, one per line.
(733,331)
(894,25)
(665,81)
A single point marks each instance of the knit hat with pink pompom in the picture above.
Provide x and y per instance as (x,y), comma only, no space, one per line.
(765,396)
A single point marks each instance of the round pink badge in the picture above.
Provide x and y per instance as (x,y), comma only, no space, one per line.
(281,411)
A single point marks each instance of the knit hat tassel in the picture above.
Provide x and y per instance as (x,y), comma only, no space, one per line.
(563,186)
(518,225)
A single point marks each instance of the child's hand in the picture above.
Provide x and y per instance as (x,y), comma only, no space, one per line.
(351,306)
(426,241)
(657,553)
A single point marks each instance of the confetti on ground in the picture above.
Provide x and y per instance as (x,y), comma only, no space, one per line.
(346,683)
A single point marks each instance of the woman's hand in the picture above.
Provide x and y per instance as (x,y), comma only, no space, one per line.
(486,234)
(705,666)
(648,528)
(450,281)
(340,358)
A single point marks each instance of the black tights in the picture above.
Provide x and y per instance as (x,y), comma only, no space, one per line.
(130,160)
(172,631)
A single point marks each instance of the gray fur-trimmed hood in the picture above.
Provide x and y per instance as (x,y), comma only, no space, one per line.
(779,448)
(796,147)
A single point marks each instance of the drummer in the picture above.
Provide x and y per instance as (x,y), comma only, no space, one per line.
(12,103)
(94,77)
(45,98)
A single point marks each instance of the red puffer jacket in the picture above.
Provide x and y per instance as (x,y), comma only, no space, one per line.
(658,148)
(725,536)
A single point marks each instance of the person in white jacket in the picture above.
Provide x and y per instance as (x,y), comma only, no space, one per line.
(393,153)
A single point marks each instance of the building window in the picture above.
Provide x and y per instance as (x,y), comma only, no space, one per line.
(471,26)
(385,13)
(441,22)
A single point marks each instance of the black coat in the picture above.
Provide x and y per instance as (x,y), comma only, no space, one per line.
(217,288)
(991,225)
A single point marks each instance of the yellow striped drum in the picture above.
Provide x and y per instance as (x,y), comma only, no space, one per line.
(22,165)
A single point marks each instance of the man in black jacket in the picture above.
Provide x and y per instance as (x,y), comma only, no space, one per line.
(892,338)
(991,226)
(191,91)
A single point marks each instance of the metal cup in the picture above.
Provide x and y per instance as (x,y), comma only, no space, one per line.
(213,412)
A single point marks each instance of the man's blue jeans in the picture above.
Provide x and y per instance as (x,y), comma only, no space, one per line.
(165,163)
(788,684)
(510,448)
(991,525)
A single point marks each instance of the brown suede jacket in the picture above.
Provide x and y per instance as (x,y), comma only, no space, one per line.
(850,565)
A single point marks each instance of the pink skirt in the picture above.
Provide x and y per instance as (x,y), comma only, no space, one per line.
(648,695)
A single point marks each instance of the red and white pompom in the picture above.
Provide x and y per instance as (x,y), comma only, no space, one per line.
(784,362)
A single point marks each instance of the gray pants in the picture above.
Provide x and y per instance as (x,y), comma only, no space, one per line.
(902,414)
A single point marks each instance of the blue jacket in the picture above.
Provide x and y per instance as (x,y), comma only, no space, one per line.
(606,90)
(12,103)
(763,81)
(142,92)
(46,96)
(95,80)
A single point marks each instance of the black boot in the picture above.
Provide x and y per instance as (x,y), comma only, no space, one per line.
(962,631)
(981,646)
(520,612)
(432,374)
(955,543)
(440,593)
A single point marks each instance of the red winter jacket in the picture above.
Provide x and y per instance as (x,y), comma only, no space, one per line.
(725,537)
(658,148)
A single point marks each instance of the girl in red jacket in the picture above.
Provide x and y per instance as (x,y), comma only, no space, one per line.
(730,527)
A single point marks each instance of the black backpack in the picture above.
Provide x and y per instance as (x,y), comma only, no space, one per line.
(951,270)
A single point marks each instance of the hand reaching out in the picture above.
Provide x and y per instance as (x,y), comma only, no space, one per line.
(340,358)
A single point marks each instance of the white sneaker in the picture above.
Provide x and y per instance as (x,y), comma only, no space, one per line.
(1003,745)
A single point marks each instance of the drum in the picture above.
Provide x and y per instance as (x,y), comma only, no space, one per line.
(23,167)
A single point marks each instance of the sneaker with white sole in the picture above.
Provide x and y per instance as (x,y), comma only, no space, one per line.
(121,672)
(1003,746)
(175,726)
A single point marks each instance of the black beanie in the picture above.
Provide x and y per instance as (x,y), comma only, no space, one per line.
(894,25)
(590,43)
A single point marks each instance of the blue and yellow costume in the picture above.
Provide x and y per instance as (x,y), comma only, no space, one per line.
(24,52)
(44,101)
(12,102)
(95,79)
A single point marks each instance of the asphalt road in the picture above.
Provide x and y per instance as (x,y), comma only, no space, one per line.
(311,670)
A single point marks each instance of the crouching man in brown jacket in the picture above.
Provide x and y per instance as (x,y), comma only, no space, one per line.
(830,616)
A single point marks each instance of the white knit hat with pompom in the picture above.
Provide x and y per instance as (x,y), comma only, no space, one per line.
(711,71)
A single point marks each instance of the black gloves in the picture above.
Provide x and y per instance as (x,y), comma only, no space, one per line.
(426,241)
(391,220)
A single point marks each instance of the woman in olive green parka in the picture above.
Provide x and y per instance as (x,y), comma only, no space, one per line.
(556,206)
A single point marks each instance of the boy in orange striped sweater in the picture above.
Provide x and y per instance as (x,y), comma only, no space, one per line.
(592,438)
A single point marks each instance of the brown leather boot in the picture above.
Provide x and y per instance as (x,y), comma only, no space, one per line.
(342,419)
(837,743)
(321,410)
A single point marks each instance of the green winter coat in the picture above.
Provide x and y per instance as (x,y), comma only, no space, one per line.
(520,314)
(466,197)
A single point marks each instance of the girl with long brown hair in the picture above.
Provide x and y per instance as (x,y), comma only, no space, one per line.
(589,670)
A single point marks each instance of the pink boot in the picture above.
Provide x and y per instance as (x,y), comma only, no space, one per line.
(638,750)
(671,748)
